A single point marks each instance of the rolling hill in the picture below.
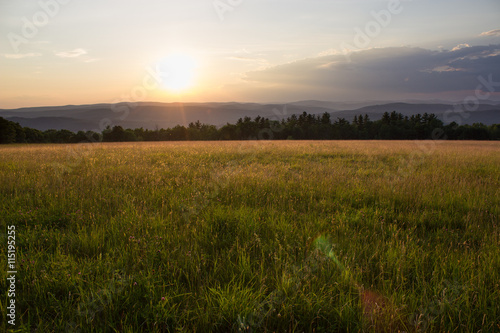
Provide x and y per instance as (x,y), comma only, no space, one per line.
(162,115)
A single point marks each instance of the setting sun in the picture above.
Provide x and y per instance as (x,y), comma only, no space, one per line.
(177,72)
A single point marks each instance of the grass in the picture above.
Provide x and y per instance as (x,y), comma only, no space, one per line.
(254,236)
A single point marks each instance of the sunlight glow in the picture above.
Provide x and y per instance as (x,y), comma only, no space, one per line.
(177,72)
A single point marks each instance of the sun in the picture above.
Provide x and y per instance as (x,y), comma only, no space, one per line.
(177,72)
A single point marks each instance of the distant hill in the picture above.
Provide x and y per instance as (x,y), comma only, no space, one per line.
(153,115)
(46,123)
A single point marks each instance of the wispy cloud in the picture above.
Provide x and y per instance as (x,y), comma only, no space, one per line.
(329,52)
(445,68)
(241,58)
(460,46)
(248,59)
(21,55)
(71,54)
(494,33)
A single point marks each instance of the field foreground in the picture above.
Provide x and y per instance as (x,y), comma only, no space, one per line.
(254,236)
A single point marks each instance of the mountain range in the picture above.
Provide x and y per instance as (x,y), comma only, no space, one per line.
(153,115)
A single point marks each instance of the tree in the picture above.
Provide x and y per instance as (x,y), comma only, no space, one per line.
(386,118)
(230,132)
(7,131)
(34,135)
(118,134)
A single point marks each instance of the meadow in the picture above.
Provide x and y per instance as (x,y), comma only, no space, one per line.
(281,236)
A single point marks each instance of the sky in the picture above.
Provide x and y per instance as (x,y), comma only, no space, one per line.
(60,52)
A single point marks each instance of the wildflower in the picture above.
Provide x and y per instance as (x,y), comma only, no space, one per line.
(163,298)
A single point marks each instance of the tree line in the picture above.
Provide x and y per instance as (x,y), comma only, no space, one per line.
(392,126)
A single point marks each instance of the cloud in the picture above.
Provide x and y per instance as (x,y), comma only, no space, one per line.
(494,33)
(330,52)
(242,58)
(71,54)
(384,72)
(248,59)
(460,46)
(443,69)
(21,55)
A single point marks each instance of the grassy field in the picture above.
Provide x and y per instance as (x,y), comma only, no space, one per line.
(335,236)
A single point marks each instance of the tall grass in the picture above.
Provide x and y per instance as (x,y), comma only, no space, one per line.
(254,237)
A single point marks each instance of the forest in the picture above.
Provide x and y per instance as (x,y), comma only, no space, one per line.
(392,126)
